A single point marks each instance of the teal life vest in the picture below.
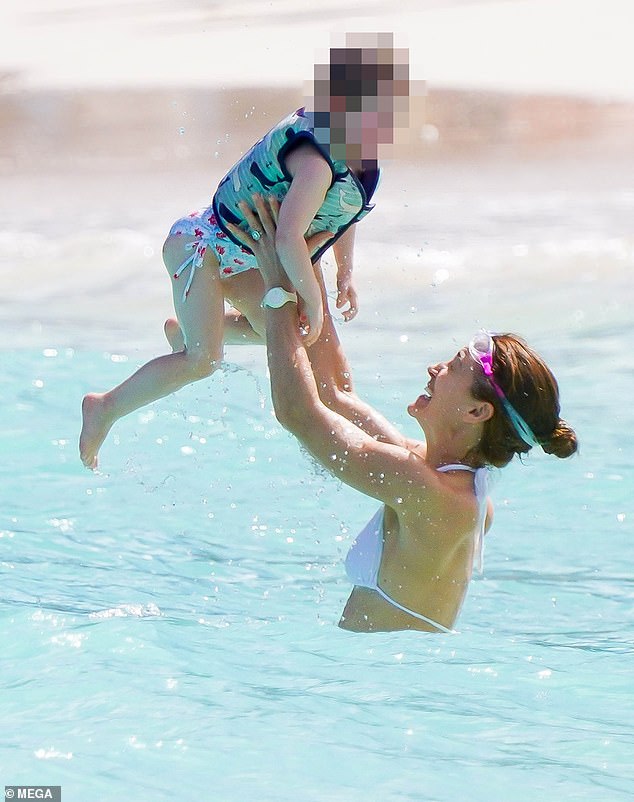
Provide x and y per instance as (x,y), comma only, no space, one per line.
(263,170)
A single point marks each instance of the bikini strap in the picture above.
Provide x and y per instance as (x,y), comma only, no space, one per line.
(458,466)
(413,613)
(480,486)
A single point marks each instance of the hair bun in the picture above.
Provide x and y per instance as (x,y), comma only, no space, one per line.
(563,441)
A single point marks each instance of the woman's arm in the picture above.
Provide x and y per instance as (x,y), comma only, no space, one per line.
(384,470)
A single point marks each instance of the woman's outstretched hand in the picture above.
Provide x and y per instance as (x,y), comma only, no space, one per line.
(262,219)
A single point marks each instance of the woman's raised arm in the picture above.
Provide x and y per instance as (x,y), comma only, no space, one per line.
(384,470)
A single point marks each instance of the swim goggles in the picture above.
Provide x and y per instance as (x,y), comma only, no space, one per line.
(481,349)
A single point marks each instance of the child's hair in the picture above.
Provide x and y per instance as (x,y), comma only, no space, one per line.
(366,73)
(357,72)
(532,390)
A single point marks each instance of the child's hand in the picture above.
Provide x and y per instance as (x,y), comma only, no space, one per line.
(346,294)
(311,317)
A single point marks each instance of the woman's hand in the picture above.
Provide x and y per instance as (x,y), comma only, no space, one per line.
(263,220)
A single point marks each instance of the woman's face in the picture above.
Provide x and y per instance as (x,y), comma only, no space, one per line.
(448,394)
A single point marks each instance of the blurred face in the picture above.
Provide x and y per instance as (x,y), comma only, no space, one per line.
(362,96)
(448,395)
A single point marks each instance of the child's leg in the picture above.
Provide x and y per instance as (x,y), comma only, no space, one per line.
(174,334)
(237,331)
(245,290)
(201,318)
(327,358)
(243,325)
(334,380)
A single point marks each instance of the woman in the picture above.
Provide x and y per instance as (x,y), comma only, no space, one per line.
(412,563)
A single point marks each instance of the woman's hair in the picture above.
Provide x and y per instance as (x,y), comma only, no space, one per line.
(532,390)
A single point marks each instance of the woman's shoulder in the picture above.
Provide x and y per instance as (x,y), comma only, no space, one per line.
(447,493)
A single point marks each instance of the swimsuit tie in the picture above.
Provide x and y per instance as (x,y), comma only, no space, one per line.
(194,261)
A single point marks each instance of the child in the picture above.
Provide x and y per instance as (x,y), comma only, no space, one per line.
(321,164)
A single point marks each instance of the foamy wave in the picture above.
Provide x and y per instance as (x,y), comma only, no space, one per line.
(125,610)
(51,754)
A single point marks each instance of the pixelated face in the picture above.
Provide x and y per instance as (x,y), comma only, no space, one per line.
(361,96)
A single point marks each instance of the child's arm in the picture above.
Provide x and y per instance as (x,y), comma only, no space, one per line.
(311,179)
(343,249)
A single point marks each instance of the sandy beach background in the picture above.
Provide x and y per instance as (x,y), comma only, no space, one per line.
(117,118)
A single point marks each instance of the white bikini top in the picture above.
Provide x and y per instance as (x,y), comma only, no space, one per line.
(363,560)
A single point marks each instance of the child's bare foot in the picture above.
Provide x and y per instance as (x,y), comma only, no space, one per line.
(174,334)
(95,427)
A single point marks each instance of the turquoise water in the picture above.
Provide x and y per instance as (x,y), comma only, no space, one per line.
(169,624)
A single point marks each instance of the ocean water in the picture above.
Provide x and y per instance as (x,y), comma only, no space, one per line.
(169,623)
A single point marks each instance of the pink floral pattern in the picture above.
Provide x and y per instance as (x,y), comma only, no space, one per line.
(203,225)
